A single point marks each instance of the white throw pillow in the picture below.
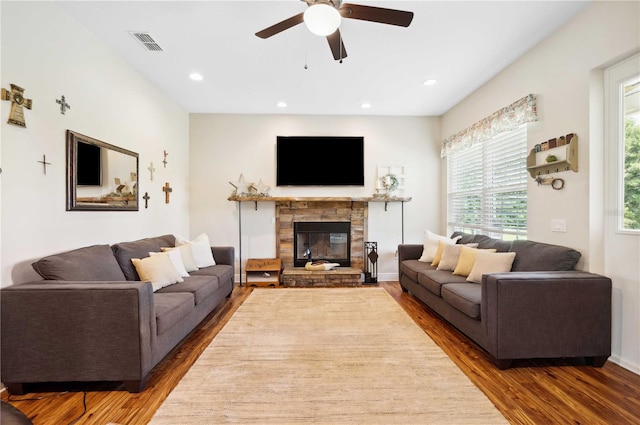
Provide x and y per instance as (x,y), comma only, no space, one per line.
(185,253)
(431,245)
(176,260)
(450,256)
(490,262)
(200,250)
(157,269)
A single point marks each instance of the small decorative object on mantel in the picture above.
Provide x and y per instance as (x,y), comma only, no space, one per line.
(151,169)
(164,161)
(63,105)
(167,189)
(146,198)
(242,188)
(18,103)
(390,183)
(261,189)
(44,164)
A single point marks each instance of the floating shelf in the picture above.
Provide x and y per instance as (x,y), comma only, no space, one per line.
(569,163)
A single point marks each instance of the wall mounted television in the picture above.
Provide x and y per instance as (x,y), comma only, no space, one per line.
(320,161)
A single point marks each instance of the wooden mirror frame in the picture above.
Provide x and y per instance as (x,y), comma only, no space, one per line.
(108,202)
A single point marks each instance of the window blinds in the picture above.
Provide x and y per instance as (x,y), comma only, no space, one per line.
(487,187)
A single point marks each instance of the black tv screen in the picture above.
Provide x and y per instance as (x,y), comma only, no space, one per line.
(319,161)
(89,162)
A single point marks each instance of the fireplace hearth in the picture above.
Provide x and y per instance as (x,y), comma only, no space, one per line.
(326,240)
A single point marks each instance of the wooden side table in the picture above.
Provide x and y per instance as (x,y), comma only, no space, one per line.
(263,272)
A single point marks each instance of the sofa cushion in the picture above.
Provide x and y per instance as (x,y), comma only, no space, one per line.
(464,297)
(412,267)
(164,240)
(463,238)
(91,263)
(125,251)
(433,280)
(223,272)
(200,286)
(450,256)
(485,242)
(185,254)
(171,308)
(467,259)
(537,256)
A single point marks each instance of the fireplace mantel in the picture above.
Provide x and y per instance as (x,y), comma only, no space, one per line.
(317,199)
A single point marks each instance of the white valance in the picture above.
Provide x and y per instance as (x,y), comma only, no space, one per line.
(506,119)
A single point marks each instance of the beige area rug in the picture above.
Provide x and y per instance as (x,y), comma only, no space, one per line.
(324,356)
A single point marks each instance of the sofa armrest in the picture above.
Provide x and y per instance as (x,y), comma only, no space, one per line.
(223,254)
(58,331)
(547,314)
(409,251)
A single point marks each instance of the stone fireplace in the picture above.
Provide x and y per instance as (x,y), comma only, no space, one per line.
(292,214)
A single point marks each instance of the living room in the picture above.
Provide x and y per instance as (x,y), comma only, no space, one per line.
(49,54)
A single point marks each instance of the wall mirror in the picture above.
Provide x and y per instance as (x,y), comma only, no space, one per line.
(100,176)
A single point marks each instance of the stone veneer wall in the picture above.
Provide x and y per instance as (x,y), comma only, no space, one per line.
(289,212)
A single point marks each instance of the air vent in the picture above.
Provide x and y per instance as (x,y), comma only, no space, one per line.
(147,41)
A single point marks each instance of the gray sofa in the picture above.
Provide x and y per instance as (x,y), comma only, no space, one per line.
(92,319)
(543,308)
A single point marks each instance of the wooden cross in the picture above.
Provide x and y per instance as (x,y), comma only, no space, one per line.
(18,102)
(44,163)
(151,169)
(63,105)
(167,190)
(164,161)
(146,198)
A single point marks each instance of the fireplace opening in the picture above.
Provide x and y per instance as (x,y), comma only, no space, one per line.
(327,240)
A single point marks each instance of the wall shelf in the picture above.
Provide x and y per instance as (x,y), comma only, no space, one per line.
(570,162)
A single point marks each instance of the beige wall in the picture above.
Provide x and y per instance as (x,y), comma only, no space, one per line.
(49,54)
(223,146)
(565,72)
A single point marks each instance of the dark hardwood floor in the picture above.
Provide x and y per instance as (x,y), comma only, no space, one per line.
(531,392)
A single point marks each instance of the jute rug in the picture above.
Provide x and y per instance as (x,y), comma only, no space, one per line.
(324,356)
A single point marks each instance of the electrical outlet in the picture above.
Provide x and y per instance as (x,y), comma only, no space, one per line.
(558,225)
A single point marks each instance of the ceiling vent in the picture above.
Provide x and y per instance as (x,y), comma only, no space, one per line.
(147,41)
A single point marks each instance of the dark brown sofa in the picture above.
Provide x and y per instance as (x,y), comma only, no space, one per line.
(543,308)
(97,321)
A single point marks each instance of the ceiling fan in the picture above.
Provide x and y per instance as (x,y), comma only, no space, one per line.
(323,18)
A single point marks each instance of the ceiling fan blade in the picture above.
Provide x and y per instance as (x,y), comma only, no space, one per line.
(337,46)
(376,14)
(281,26)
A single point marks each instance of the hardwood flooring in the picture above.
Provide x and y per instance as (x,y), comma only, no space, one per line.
(531,392)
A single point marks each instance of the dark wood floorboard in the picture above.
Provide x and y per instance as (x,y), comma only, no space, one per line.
(531,392)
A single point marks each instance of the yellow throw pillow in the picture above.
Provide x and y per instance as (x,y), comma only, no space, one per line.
(467,259)
(438,255)
(157,269)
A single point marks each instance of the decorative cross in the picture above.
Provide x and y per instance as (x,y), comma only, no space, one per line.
(164,161)
(167,190)
(63,105)
(18,102)
(44,164)
(151,169)
(146,198)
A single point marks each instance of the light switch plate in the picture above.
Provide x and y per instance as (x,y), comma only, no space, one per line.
(558,225)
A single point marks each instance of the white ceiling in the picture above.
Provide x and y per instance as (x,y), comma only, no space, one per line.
(462,44)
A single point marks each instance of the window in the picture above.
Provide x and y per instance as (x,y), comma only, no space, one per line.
(487,187)
(631,156)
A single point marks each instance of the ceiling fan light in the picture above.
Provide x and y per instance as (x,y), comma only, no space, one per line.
(322,19)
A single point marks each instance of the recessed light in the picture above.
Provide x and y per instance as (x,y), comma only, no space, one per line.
(282,104)
(429,82)
(195,76)
(365,105)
